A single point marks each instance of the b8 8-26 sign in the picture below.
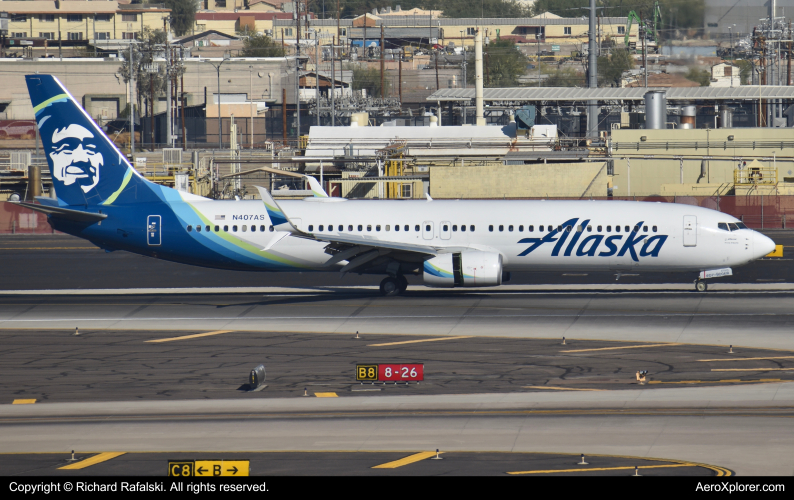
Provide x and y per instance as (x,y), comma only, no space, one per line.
(393,372)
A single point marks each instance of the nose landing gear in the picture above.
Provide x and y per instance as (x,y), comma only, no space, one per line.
(701,285)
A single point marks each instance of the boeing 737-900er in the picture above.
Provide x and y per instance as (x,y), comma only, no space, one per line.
(453,243)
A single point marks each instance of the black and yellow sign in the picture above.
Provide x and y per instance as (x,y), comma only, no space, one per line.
(180,469)
(208,468)
(367,373)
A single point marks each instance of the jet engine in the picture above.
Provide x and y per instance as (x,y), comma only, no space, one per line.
(472,268)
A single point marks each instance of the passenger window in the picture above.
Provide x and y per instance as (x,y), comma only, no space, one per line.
(416,228)
(445,228)
(568,229)
(721,225)
(654,229)
(320,228)
(198,228)
(589,229)
(454,227)
(531,229)
(540,228)
(617,229)
(510,228)
(311,228)
(520,229)
(396,227)
(427,227)
(189,228)
(350,228)
(226,229)
(253,229)
(501,228)
(490,228)
(272,229)
(377,228)
(369,228)
(471,228)
(599,228)
(234,229)
(559,229)
(609,229)
(245,228)
(388,227)
(579,228)
(644,229)
(733,226)
(207,228)
(636,229)
(462,227)
(405,228)
(217,228)
(627,229)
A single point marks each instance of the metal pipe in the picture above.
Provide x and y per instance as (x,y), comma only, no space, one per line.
(592,73)
(480,120)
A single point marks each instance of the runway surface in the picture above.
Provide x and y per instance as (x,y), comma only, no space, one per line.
(498,378)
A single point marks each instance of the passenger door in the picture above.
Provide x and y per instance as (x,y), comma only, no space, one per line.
(153,230)
(445,231)
(690,231)
(427,230)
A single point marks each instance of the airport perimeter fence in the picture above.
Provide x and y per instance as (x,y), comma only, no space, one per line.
(758,212)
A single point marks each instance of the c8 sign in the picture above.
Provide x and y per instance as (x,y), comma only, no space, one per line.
(401,372)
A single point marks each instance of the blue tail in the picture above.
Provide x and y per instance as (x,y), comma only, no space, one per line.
(87,168)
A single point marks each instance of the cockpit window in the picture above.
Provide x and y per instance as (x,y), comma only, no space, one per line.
(741,225)
(733,226)
(723,226)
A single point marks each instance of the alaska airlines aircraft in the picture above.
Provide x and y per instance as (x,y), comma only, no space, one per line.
(454,243)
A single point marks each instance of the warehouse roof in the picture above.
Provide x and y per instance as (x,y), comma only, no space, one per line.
(616,94)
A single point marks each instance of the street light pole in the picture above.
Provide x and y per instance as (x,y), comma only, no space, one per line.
(251,100)
(218,70)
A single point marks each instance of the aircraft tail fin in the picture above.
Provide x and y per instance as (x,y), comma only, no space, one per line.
(86,166)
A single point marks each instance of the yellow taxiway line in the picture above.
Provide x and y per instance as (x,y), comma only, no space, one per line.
(623,347)
(747,359)
(558,388)
(731,381)
(556,471)
(417,457)
(186,337)
(326,395)
(96,459)
(23,401)
(752,369)
(417,341)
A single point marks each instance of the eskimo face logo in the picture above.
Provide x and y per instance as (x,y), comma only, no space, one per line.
(74,158)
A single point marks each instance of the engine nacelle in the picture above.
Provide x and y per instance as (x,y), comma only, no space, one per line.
(473,268)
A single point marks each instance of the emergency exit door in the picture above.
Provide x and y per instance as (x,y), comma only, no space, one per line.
(153,230)
(690,231)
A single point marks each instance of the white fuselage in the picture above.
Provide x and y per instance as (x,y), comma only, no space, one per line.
(604,235)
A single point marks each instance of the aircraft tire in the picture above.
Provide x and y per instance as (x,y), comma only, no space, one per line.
(701,286)
(402,281)
(389,287)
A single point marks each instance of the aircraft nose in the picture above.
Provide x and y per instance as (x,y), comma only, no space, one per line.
(762,245)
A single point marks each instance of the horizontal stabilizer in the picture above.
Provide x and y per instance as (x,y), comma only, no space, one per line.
(63,213)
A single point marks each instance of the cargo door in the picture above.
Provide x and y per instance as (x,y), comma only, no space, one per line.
(690,231)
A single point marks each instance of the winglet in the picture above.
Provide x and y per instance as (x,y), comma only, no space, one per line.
(428,197)
(278,218)
(317,189)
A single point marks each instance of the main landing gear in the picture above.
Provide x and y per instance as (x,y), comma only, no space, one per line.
(701,285)
(392,286)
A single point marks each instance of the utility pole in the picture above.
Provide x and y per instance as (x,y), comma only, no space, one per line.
(400,77)
(333,81)
(132,101)
(435,57)
(298,70)
(592,73)
(317,73)
(382,55)
(283,115)
(182,102)
(168,77)
(644,55)
(788,65)
(251,101)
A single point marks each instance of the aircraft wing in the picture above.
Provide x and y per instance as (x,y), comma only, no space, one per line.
(63,213)
(374,243)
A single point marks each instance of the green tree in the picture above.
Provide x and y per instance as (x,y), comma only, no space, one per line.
(700,76)
(183,15)
(745,70)
(258,45)
(563,77)
(150,76)
(503,64)
(369,80)
(611,68)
